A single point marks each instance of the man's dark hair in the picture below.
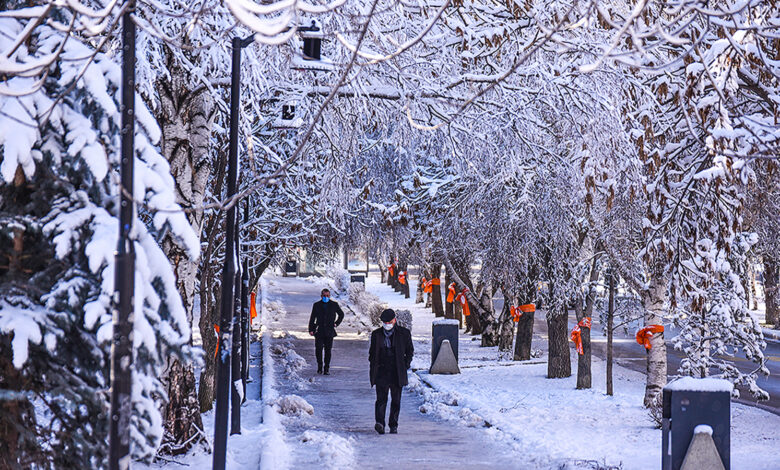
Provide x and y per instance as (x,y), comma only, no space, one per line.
(324,290)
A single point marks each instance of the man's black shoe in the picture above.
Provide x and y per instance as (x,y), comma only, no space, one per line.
(319,369)
(380,428)
(327,371)
(393,430)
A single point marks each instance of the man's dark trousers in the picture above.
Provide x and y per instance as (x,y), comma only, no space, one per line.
(381,403)
(320,343)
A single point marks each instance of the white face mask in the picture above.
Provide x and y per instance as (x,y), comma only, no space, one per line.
(388,326)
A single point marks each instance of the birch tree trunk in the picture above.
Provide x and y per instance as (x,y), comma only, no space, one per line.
(584,374)
(506,330)
(185,118)
(491,329)
(653,299)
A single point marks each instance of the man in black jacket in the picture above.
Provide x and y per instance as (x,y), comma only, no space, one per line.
(326,315)
(390,354)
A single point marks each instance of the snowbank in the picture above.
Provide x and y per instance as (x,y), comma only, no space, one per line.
(335,451)
(293,405)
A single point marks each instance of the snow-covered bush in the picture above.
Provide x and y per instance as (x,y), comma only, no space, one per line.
(366,303)
(340,277)
(404,318)
(59,227)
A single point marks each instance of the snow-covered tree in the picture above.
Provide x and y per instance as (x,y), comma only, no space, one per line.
(60,142)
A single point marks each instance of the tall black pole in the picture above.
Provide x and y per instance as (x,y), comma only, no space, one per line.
(245,312)
(228,275)
(235,360)
(122,345)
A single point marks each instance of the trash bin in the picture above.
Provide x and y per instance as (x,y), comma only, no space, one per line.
(444,329)
(688,403)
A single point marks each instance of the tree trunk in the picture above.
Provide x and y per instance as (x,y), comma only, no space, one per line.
(449,307)
(753,285)
(584,374)
(506,330)
(210,296)
(185,119)
(610,328)
(583,360)
(653,301)
(382,269)
(771,300)
(491,329)
(406,286)
(438,308)
(558,359)
(18,446)
(525,333)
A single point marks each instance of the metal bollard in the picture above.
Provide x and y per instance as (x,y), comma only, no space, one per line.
(444,330)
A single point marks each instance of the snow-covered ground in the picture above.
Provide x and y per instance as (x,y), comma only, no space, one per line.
(548,419)
(495,414)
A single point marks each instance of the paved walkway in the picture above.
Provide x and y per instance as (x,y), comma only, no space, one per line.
(344,403)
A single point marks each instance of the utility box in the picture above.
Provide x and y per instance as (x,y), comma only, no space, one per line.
(290,267)
(690,402)
(444,329)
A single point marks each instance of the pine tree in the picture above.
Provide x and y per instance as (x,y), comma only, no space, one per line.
(58,210)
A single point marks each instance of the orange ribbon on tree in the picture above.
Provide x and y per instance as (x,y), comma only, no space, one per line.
(435,281)
(464,302)
(402,277)
(252,308)
(451,293)
(216,328)
(516,313)
(391,269)
(527,308)
(576,334)
(643,336)
(427,286)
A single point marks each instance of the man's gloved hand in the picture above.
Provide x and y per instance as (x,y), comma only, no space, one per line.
(311,333)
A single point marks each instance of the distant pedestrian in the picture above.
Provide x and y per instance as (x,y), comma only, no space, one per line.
(390,355)
(326,315)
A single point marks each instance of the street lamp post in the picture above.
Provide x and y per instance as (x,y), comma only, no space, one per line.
(230,268)
(238,338)
(124,274)
(231,282)
(245,320)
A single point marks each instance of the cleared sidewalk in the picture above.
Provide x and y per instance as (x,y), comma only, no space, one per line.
(344,402)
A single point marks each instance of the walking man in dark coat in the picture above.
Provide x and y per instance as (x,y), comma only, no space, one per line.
(326,315)
(390,354)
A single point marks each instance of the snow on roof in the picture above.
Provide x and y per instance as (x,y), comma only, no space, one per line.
(708,384)
(446,321)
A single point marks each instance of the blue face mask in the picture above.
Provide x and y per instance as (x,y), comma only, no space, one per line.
(325,299)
